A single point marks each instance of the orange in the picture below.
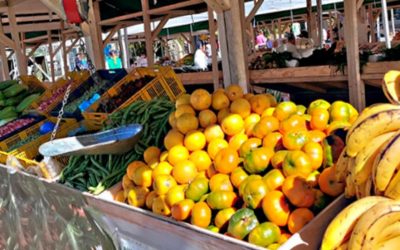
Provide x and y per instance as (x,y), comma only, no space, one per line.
(137,196)
(285,109)
(226,160)
(253,193)
(328,183)
(213,132)
(119,196)
(237,140)
(160,206)
(272,100)
(184,109)
(130,171)
(207,118)
(163,156)
(194,140)
(278,158)
(248,145)
(175,195)
(181,210)
(257,160)
(151,153)
(211,172)
(220,182)
(276,208)
(248,96)
(241,107)
(250,122)
(274,179)
(223,216)
(298,192)
(127,183)
(293,123)
(221,199)
(182,99)
(201,215)
(184,171)
(220,100)
(259,103)
(237,177)
(186,123)
(234,92)
(173,138)
(215,146)
(316,135)
(284,237)
(268,112)
(222,114)
(273,140)
(319,119)
(172,120)
(232,124)
(299,218)
(315,151)
(219,90)
(143,176)
(163,183)
(177,154)
(266,125)
(200,99)
(197,188)
(201,160)
(265,234)
(150,198)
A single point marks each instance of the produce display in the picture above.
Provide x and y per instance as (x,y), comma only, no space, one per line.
(127,91)
(242,165)
(96,173)
(27,140)
(45,104)
(13,126)
(368,223)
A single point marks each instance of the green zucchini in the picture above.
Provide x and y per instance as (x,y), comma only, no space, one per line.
(7,84)
(13,101)
(14,90)
(8,112)
(27,102)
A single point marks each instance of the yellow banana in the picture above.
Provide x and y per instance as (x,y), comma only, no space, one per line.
(350,189)
(366,157)
(344,246)
(393,189)
(391,244)
(342,225)
(341,167)
(386,162)
(367,220)
(368,187)
(378,124)
(383,229)
(391,86)
(370,111)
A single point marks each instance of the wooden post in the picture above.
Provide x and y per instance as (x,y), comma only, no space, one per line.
(213,42)
(393,21)
(4,59)
(22,68)
(386,23)
(356,85)
(147,33)
(50,44)
(122,49)
(279,28)
(309,20)
(372,22)
(126,48)
(95,36)
(64,50)
(320,23)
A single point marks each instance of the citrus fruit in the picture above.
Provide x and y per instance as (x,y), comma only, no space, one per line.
(201,159)
(234,92)
(272,100)
(163,183)
(237,140)
(207,118)
(201,215)
(149,199)
(242,223)
(126,182)
(299,218)
(200,99)
(173,138)
(293,123)
(319,119)
(197,188)
(163,156)
(238,175)
(215,146)
(221,199)
(257,160)
(278,158)
(232,124)
(259,103)
(250,122)
(276,208)
(137,196)
(220,182)
(266,125)
(248,145)
(220,100)
(213,132)
(162,168)
(273,140)
(181,210)
(248,96)
(298,192)
(268,112)
(184,171)
(120,196)
(177,153)
(130,171)
(222,114)
(151,153)
(274,179)
(160,206)
(223,216)
(241,107)
(182,99)
(175,194)
(143,176)
(194,140)
(226,160)
(285,109)
(265,234)
(297,163)
(186,123)
(184,109)
(253,193)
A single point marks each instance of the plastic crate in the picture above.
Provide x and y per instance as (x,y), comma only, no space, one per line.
(31,150)
(25,129)
(34,84)
(25,162)
(111,77)
(78,76)
(156,88)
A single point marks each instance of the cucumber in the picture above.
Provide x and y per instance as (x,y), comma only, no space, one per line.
(27,102)
(6,84)
(13,101)
(8,112)
(14,90)
(2,97)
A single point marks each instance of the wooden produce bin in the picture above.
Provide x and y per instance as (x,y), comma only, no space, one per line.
(198,78)
(182,234)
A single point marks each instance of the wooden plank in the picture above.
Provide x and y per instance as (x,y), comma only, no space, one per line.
(33,27)
(308,87)
(309,79)
(219,5)
(309,21)
(4,59)
(95,36)
(316,71)
(213,41)
(34,49)
(338,85)
(198,78)
(22,64)
(356,85)
(110,35)
(254,10)
(50,44)
(159,27)
(72,45)
(64,48)
(147,33)
(320,23)
(381,67)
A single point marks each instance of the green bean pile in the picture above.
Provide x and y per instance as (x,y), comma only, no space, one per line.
(95,173)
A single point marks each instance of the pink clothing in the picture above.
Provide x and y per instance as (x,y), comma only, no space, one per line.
(261,40)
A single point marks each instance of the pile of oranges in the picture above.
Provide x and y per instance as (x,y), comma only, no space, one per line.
(241,164)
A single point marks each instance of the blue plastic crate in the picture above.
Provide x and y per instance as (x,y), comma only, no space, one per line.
(37,119)
(109,78)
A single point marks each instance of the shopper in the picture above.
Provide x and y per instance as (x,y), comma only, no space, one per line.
(142,60)
(114,62)
(261,40)
(200,58)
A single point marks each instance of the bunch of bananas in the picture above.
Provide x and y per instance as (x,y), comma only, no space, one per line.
(370,164)
(369,223)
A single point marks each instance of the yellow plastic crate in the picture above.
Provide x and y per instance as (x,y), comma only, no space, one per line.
(33,83)
(156,88)
(25,162)
(78,76)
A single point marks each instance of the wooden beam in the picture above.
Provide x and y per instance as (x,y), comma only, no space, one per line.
(159,27)
(309,20)
(356,85)
(36,18)
(253,11)
(34,49)
(147,32)
(11,54)
(64,49)
(50,44)
(7,41)
(111,34)
(4,59)
(72,46)
(219,5)
(95,35)
(33,27)
(213,43)
(308,87)
(320,23)
(359,4)
(22,64)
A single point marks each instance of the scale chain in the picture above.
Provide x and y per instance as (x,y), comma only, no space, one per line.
(61,112)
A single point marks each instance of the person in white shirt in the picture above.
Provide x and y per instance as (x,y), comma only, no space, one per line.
(200,58)
(142,61)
